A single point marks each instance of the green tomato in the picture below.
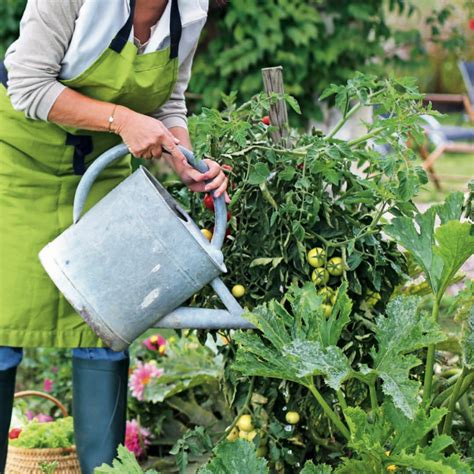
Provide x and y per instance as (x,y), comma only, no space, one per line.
(316,257)
(327,310)
(245,423)
(233,435)
(327,294)
(261,452)
(292,417)
(335,266)
(320,276)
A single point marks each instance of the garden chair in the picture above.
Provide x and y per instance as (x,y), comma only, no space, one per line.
(467,71)
(451,139)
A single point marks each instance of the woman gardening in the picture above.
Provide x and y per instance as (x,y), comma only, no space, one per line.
(83,76)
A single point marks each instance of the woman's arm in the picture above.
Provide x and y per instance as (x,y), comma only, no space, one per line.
(34,59)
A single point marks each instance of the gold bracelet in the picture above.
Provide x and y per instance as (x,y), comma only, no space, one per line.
(111,119)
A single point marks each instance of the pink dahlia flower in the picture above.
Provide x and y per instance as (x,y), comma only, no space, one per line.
(136,438)
(141,377)
(156,343)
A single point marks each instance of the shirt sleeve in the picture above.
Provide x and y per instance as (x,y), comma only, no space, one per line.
(34,60)
(174,112)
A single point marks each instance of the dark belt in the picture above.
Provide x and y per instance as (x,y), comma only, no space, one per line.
(82,147)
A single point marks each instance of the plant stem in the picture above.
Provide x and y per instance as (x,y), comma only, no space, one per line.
(341,399)
(373,396)
(365,137)
(343,120)
(267,195)
(430,361)
(448,421)
(329,412)
(465,411)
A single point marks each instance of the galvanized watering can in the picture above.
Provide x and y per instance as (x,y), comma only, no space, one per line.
(129,262)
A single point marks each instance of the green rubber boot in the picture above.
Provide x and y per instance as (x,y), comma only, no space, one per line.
(7,390)
(99,409)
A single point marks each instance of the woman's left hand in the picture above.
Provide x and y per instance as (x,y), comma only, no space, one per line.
(195,180)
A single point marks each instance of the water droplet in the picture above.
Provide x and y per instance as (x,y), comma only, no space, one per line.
(288,428)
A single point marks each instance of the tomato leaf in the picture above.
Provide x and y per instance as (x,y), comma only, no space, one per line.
(259,173)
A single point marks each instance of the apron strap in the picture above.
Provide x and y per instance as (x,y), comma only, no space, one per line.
(121,38)
(3,74)
(175,29)
(82,146)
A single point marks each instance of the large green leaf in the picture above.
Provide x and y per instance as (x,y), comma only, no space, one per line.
(125,463)
(455,244)
(184,370)
(256,358)
(237,457)
(440,252)
(383,438)
(403,330)
(291,347)
(409,433)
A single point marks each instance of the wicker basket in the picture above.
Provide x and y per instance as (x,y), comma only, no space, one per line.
(27,460)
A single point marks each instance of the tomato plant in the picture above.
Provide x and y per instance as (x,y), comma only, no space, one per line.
(345,354)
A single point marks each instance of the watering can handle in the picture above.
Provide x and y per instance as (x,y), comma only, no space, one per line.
(121,150)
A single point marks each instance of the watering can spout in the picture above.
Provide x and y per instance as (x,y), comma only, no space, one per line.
(201,318)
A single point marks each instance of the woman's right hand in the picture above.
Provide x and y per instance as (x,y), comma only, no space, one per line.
(145,136)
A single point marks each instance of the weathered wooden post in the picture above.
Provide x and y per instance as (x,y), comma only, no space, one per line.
(273,82)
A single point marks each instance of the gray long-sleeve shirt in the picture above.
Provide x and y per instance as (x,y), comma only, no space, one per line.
(56,43)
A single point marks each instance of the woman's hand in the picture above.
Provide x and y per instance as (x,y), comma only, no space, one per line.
(195,180)
(145,136)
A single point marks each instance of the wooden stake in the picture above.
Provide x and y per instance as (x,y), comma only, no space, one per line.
(273,82)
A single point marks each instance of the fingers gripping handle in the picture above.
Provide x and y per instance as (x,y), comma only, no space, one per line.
(121,150)
(220,209)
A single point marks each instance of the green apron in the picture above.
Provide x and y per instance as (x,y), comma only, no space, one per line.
(40,167)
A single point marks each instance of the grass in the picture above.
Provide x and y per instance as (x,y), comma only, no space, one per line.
(454,170)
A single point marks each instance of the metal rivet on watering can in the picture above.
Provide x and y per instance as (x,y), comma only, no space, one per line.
(130,262)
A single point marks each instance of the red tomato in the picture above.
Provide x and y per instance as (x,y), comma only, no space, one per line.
(14,433)
(266,120)
(209,202)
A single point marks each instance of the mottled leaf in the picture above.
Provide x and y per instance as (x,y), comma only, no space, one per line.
(401,331)
(237,457)
(311,359)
